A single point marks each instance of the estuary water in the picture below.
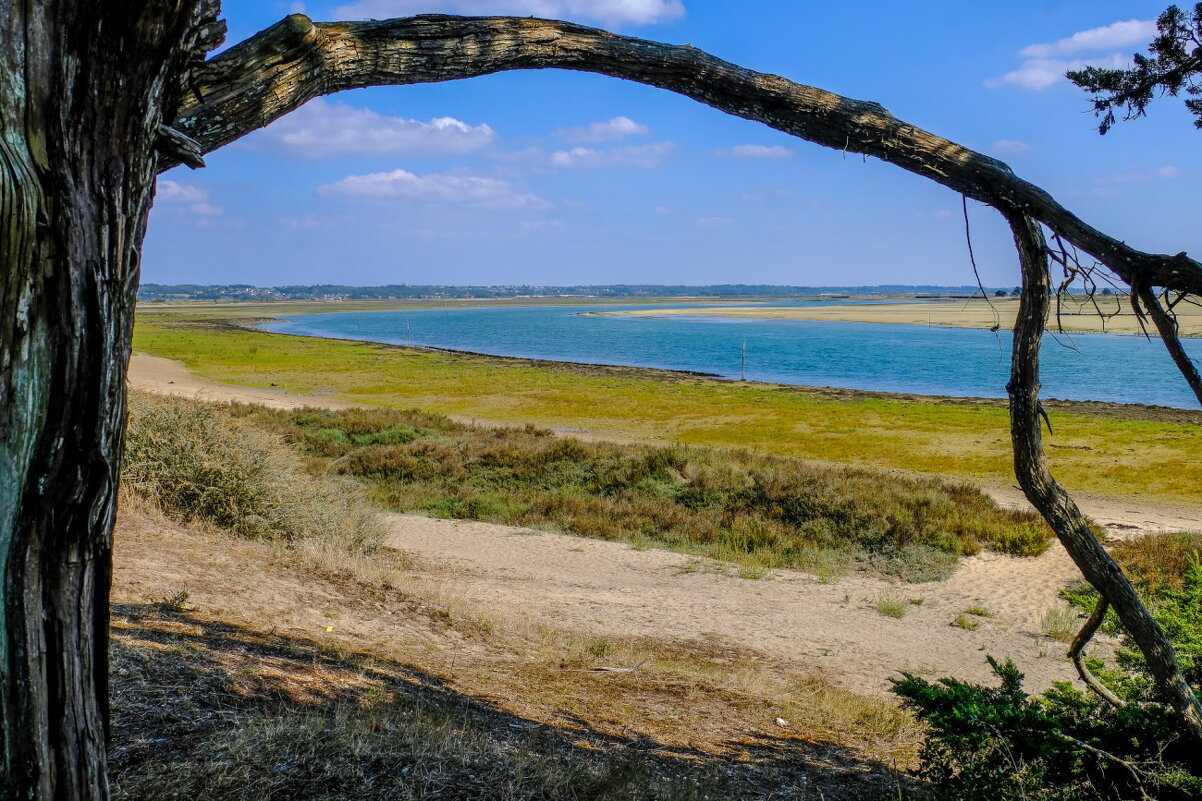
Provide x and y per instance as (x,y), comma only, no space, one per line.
(884,357)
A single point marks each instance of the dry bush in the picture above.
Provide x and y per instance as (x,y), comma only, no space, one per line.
(196,462)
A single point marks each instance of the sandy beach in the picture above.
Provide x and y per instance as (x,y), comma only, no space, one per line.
(612,589)
(1076,315)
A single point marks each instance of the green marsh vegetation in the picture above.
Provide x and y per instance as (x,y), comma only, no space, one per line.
(755,510)
(1107,452)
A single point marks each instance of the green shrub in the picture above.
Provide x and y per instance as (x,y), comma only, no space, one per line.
(998,743)
(754,509)
(198,463)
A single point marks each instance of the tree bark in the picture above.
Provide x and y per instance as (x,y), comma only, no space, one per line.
(83,88)
(1057,506)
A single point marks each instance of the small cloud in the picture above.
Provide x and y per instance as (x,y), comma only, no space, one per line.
(1040,73)
(1045,64)
(1009,146)
(190,197)
(1168,171)
(1116,34)
(321,129)
(453,187)
(662,210)
(613,12)
(714,222)
(756,152)
(943,214)
(646,156)
(608,131)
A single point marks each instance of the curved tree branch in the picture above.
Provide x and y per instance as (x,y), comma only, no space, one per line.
(1054,503)
(295,60)
(1076,652)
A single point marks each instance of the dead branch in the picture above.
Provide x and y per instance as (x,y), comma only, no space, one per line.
(1076,653)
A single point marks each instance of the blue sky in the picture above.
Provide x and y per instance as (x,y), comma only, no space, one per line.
(566,178)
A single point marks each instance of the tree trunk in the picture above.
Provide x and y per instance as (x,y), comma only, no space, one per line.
(83,85)
(1057,506)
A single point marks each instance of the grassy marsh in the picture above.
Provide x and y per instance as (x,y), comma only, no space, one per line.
(1105,453)
(755,510)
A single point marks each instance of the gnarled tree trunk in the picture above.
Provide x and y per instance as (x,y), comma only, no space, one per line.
(84,89)
(1053,502)
(83,85)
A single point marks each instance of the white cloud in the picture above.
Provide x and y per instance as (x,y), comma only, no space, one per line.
(757,152)
(1168,171)
(1117,34)
(714,222)
(1045,64)
(321,129)
(1040,73)
(456,186)
(636,12)
(1010,146)
(193,198)
(608,131)
(646,156)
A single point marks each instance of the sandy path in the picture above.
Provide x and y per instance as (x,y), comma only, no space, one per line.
(611,589)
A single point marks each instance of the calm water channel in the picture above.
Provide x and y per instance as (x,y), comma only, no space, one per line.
(889,358)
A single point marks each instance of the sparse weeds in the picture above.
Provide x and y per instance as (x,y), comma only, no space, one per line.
(753,572)
(891,604)
(966,621)
(176,602)
(1060,623)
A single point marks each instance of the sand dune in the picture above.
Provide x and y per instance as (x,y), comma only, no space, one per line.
(610,588)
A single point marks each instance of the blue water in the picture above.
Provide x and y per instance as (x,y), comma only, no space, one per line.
(889,358)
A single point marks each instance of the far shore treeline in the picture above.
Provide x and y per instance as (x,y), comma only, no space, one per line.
(235,292)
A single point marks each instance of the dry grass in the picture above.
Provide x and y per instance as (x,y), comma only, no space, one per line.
(1158,562)
(284,677)
(197,462)
(891,604)
(1060,623)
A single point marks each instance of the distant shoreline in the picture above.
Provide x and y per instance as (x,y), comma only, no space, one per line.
(1077,317)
